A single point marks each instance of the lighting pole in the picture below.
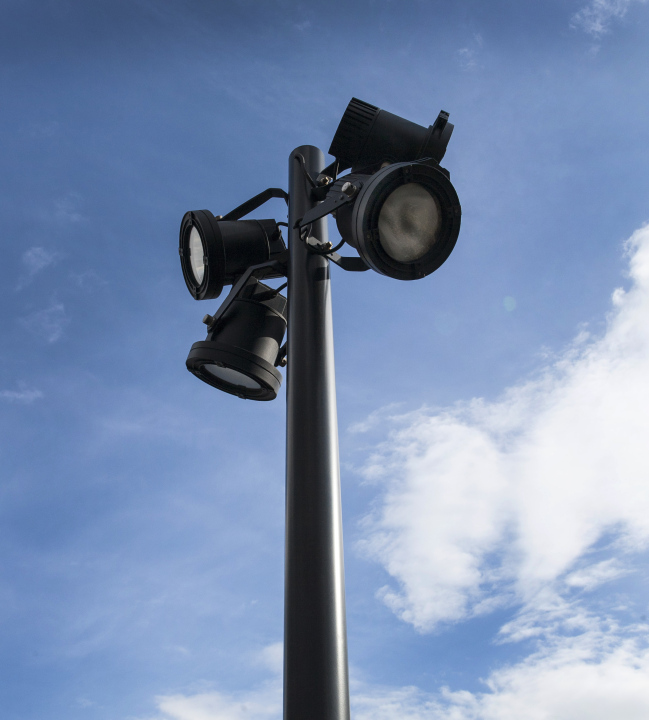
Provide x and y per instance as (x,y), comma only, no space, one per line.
(398,209)
(315,635)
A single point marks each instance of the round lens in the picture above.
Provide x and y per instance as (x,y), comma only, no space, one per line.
(409,223)
(232,377)
(196,254)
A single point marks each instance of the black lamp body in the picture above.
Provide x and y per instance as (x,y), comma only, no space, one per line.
(246,339)
(368,137)
(358,222)
(229,246)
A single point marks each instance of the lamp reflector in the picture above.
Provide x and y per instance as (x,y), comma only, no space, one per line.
(409,223)
(196,255)
(231,376)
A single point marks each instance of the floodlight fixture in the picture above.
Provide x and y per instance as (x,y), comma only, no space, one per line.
(404,220)
(214,252)
(397,207)
(243,344)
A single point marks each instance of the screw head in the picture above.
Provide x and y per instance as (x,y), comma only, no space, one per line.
(348,189)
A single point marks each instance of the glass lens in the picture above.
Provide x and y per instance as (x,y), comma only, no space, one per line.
(196,254)
(232,377)
(409,223)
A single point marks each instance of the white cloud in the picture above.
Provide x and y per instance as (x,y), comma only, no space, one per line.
(594,575)
(598,674)
(492,503)
(588,676)
(22,395)
(48,323)
(468,56)
(595,18)
(35,259)
(67,208)
(263,704)
(272,657)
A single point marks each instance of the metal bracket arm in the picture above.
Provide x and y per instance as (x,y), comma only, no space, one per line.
(351,264)
(256,271)
(255,202)
(330,204)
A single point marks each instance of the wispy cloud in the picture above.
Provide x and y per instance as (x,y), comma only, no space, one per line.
(34,260)
(596,17)
(67,208)
(272,657)
(87,280)
(48,323)
(468,56)
(261,704)
(23,395)
(587,676)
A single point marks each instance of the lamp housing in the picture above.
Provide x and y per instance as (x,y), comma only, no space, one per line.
(241,349)
(404,220)
(368,137)
(214,252)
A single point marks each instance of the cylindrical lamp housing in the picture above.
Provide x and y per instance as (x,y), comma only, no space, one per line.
(239,354)
(214,252)
(404,221)
(368,137)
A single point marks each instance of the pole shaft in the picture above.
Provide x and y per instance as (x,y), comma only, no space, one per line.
(315,637)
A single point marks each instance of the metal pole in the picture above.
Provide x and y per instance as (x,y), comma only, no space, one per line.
(315,636)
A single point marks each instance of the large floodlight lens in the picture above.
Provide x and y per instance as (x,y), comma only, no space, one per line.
(196,255)
(231,377)
(409,223)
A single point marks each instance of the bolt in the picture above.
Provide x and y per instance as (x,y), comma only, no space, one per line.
(208,319)
(324,180)
(348,189)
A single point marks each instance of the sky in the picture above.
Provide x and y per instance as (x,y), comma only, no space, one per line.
(493,416)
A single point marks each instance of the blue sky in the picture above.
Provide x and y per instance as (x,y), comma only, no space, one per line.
(493,415)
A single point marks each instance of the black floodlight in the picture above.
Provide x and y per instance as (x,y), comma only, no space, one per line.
(397,207)
(243,344)
(404,221)
(368,137)
(214,252)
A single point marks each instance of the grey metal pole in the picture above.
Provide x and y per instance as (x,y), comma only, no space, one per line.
(315,636)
